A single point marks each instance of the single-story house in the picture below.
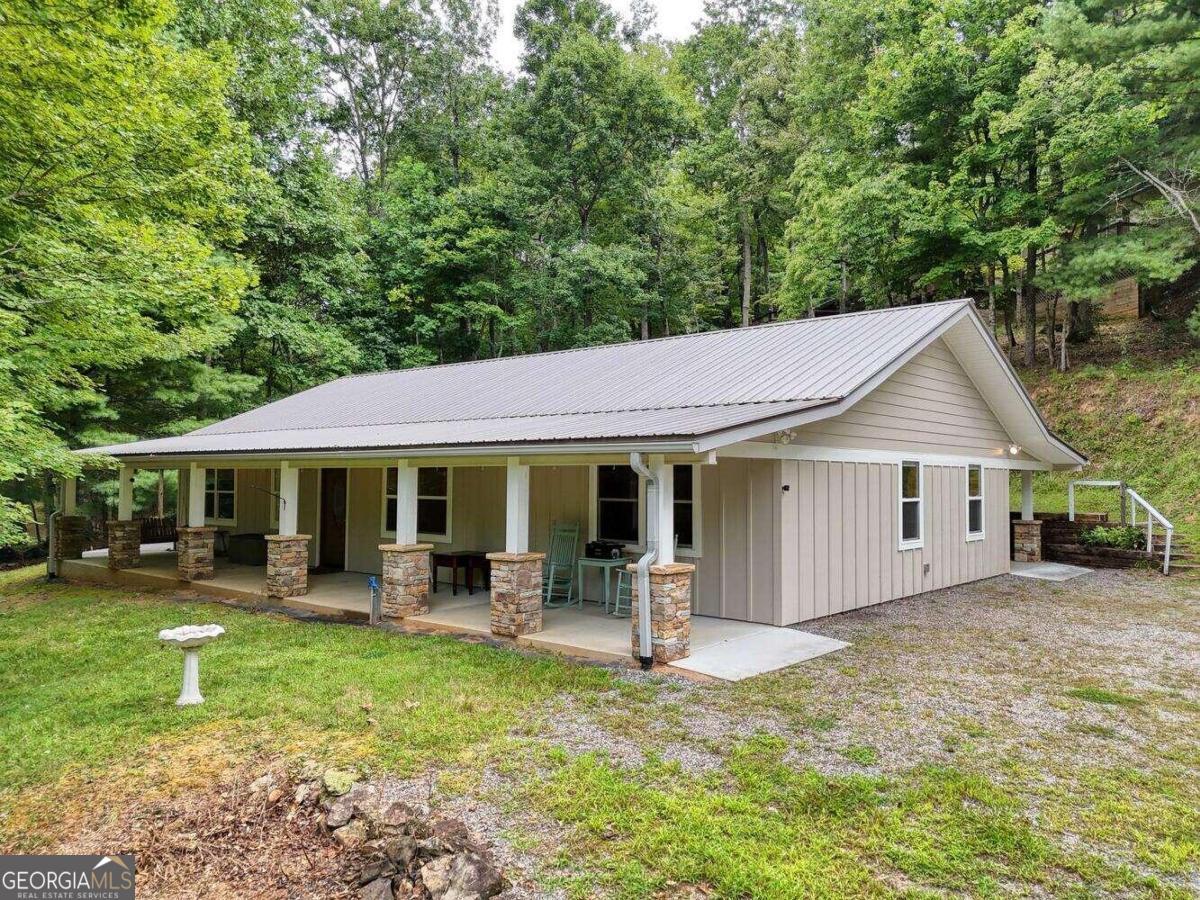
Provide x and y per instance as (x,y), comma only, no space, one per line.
(770,474)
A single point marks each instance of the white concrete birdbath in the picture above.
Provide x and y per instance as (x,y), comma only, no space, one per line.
(189,639)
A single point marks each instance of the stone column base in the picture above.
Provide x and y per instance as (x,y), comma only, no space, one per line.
(670,612)
(124,543)
(70,534)
(287,565)
(516,593)
(404,588)
(194,552)
(1027,540)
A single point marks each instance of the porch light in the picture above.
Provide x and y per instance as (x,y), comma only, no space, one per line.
(1013,449)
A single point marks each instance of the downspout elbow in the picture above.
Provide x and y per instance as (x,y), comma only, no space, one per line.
(645,650)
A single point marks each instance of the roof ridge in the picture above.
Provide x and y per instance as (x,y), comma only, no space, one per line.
(657,340)
(550,415)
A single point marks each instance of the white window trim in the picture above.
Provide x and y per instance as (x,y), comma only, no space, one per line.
(697,548)
(919,541)
(594,508)
(976,535)
(430,538)
(214,520)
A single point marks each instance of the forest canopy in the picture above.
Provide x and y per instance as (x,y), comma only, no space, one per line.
(209,204)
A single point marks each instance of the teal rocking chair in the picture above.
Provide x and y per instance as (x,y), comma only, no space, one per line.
(558,574)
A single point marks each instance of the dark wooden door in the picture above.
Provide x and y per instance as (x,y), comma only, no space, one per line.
(333,518)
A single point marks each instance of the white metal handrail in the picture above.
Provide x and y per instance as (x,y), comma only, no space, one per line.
(1137,500)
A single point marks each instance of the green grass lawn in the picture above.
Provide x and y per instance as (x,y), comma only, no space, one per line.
(86,692)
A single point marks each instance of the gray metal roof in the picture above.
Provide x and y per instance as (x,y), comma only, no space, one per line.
(681,386)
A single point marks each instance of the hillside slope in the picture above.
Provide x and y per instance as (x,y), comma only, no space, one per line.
(1132,405)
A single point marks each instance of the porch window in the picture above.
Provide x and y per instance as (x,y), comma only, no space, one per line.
(220,493)
(617,507)
(433,503)
(974,503)
(687,505)
(911,484)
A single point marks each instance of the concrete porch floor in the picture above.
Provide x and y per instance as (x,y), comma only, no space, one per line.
(721,648)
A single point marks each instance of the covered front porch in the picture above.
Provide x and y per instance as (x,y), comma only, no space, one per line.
(581,630)
(318,529)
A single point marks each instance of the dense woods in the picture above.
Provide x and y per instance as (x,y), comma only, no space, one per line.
(209,204)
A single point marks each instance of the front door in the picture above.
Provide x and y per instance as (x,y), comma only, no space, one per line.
(333,519)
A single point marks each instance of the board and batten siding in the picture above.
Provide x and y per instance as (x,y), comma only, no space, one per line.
(739,574)
(930,405)
(839,527)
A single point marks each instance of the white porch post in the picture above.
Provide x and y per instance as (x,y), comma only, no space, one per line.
(124,534)
(1026,495)
(194,542)
(125,494)
(665,473)
(516,573)
(289,498)
(196,477)
(516,528)
(406,503)
(404,587)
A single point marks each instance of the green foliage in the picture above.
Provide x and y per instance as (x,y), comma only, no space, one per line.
(119,172)
(1122,537)
(1102,696)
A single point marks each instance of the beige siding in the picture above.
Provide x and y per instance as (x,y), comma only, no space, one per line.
(845,535)
(929,406)
(253,502)
(740,574)
(364,491)
(478,508)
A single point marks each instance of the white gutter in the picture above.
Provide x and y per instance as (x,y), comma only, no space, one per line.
(651,554)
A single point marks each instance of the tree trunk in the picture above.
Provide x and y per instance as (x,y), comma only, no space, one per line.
(1029,306)
(1064,361)
(746,273)
(991,287)
(161,492)
(845,290)
(1051,326)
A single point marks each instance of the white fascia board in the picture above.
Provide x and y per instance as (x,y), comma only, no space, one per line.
(471,454)
(764,450)
(719,439)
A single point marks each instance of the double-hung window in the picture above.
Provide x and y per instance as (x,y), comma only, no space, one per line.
(687,505)
(974,503)
(911,488)
(618,512)
(220,492)
(433,503)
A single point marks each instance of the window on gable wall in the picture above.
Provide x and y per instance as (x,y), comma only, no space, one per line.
(974,502)
(910,503)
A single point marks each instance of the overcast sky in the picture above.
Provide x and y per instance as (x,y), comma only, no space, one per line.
(676,19)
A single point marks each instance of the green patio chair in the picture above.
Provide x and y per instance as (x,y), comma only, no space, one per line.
(558,572)
(624,594)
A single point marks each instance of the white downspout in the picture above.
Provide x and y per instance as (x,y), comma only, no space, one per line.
(651,554)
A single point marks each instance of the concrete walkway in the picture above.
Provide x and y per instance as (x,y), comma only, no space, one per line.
(1047,571)
(763,648)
